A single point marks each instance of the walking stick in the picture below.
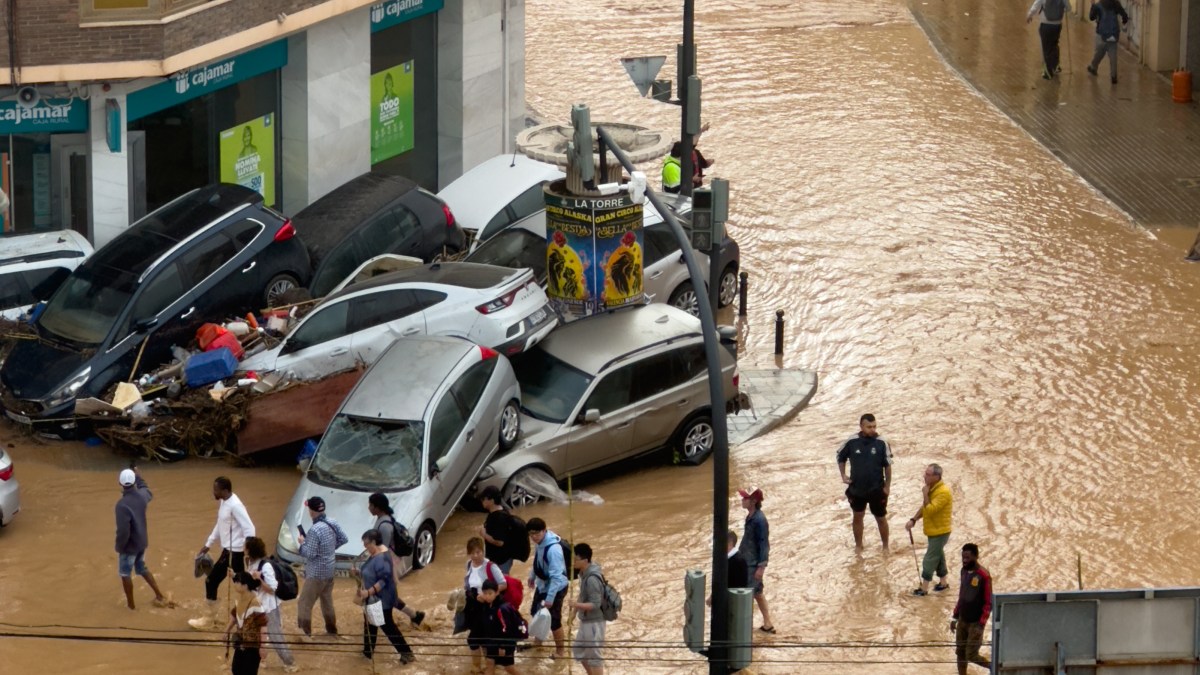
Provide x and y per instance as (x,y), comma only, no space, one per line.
(915,561)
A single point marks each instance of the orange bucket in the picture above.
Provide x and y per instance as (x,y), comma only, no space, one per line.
(1181,86)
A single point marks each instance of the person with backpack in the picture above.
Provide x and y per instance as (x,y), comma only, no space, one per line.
(397,540)
(589,637)
(1053,12)
(263,570)
(1105,13)
(319,548)
(503,533)
(549,578)
(504,628)
(479,570)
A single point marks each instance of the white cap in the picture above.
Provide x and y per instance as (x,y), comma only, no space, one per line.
(127,478)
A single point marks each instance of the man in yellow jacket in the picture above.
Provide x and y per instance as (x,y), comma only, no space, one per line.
(936,506)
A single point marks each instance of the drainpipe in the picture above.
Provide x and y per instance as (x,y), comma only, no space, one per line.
(504,67)
(1183,34)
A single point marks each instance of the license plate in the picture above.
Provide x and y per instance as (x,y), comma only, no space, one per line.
(20,419)
(537,317)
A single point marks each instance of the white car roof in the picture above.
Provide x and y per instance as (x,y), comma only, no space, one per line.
(22,248)
(480,193)
(401,384)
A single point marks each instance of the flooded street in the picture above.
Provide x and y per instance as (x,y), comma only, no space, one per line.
(937,267)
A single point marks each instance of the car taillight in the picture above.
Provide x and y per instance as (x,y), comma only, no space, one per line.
(449,215)
(487,353)
(499,303)
(286,232)
(5,474)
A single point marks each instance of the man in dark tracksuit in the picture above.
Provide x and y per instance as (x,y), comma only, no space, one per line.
(870,479)
(972,611)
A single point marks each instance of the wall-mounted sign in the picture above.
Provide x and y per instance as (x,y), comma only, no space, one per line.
(392,112)
(47,117)
(196,82)
(248,156)
(393,12)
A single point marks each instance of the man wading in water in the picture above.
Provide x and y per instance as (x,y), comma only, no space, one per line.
(870,479)
(937,504)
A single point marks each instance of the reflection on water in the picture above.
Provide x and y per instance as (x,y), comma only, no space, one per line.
(937,267)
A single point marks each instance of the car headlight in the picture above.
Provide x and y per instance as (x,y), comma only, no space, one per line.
(285,538)
(68,391)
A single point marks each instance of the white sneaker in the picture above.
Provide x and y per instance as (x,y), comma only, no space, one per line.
(201,623)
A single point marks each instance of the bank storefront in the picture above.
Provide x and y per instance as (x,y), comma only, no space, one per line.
(404,119)
(218,122)
(43,165)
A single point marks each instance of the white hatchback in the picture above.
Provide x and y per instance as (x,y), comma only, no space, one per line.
(497,193)
(33,266)
(497,307)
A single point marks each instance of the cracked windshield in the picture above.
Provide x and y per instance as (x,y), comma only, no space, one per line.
(943,250)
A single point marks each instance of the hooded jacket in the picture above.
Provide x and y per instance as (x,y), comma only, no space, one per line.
(132,537)
(548,560)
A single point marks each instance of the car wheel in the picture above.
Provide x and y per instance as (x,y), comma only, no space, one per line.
(694,442)
(685,298)
(517,492)
(510,426)
(276,287)
(424,546)
(729,286)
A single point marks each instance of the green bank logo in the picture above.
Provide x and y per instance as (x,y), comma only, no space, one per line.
(37,115)
(204,77)
(392,12)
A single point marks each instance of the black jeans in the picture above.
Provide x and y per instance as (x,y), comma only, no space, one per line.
(1050,32)
(371,633)
(245,661)
(213,581)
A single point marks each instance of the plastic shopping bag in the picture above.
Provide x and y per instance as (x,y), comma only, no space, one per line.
(539,628)
(374,611)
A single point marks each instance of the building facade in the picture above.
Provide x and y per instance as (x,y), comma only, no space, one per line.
(111,108)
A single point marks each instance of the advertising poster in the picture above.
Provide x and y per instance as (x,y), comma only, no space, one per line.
(619,250)
(570,279)
(6,224)
(248,156)
(41,187)
(392,112)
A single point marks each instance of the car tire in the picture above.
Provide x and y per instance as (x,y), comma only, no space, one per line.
(510,426)
(515,495)
(424,546)
(685,298)
(694,441)
(729,286)
(278,285)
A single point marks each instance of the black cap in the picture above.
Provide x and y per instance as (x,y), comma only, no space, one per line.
(316,504)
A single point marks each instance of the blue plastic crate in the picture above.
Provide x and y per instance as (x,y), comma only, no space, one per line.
(209,367)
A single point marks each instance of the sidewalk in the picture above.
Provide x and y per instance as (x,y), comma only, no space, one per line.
(1131,141)
(776,396)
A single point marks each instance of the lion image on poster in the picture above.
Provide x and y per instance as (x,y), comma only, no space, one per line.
(623,279)
(564,270)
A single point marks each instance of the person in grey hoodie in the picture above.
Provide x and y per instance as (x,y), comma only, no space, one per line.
(132,537)
(549,578)
(589,638)
(1053,12)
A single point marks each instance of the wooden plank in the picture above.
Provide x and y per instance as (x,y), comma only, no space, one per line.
(293,414)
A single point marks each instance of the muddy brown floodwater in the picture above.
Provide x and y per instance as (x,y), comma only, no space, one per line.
(937,267)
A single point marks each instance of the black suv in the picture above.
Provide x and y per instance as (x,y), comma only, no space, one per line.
(372,215)
(209,254)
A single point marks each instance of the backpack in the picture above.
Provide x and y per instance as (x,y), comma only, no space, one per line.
(514,626)
(289,585)
(514,591)
(517,540)
(567,557)
(610,599)
(402,542)
(1107,24)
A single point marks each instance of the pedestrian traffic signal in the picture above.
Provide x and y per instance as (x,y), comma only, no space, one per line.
(702,219)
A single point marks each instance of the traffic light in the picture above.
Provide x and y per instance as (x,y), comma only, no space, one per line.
(702,219)
(579,148)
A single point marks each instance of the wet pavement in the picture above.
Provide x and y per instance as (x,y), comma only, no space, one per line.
(937,266)
(776,396)
(1130,140)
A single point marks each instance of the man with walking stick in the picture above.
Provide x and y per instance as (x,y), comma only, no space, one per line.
(936,506)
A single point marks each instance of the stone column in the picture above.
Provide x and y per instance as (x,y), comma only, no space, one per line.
(481,47)
(326,114)
(108,171)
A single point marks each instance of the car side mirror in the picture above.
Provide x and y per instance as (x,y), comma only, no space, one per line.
(143,325)
(440,465)
(291,346)
(591,416)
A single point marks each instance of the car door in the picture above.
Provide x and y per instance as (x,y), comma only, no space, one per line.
(666,393)
(660,262)
(13,295)
(379,319)
(407,235)
(160,300)
(593,444)
(320,345)
(442,317)
(455,439)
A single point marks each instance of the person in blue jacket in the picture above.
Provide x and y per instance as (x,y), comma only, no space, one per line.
(132,538)
(549,578)
(1105,14)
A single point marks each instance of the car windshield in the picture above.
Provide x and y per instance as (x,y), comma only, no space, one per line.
(550,389)
(370,453)
(516,248)
(86,306)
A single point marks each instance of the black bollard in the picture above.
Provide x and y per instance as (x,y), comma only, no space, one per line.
(742,295)
(778,332)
